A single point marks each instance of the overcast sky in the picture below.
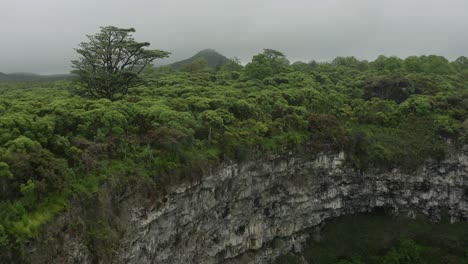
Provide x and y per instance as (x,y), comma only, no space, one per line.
(39,35)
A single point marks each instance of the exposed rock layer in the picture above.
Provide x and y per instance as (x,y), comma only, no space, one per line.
(236,211)
(251,212)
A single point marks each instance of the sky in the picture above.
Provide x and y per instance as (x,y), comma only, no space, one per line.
(39,36)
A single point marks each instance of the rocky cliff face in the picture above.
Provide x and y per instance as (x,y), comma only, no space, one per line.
(253,211)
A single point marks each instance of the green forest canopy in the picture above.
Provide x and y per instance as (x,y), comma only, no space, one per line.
(56,144)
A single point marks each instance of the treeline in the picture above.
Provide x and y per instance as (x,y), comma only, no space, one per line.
(413,64)
(55,143)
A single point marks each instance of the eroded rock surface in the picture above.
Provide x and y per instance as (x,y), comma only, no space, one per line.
(253,211)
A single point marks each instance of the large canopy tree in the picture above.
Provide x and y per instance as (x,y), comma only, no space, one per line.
(111,62)
(267,63)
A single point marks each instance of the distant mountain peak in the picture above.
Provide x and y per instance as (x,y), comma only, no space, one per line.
(213,58)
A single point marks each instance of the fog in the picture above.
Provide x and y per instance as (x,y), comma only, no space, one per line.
(39,36)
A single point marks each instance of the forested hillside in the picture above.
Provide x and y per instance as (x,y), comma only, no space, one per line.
(57,144)
(205,58)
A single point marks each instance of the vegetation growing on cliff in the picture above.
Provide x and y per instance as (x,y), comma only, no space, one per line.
(56,145)
(377,238)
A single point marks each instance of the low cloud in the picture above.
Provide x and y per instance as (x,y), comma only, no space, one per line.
(39,36)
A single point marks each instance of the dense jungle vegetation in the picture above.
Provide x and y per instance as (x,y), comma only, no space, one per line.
(56,143)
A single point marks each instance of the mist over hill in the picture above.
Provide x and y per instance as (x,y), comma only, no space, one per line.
(27,76)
